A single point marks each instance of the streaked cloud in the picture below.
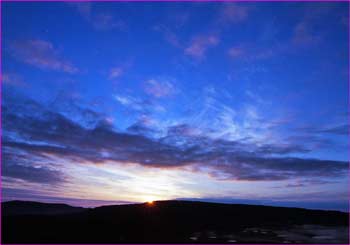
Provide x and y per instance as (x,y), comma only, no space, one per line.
(115,73)
(236,52)
(100,21)
(83,8)
(234,13)
(303,34)
(41,54)
(12,79)
(127,100)
(160,87)
(105,21)
(182,146)
(342,129)
(25,167)
(200,45)
(169,35)
(305,31)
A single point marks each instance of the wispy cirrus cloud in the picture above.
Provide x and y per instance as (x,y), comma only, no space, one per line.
(100,21)
(177,18)
(229,13)
(41,54)
(170,28)
(199,45)
(306,31)
(47,133)
(340,129)
(18,167)
(84,9)
(137,104)
(169,35)
(145,125)
(252,52)
(303,34)
(12,79)
(115,73)
(105,21)
(129,101)
(236,52)
(160,87)
(233,13)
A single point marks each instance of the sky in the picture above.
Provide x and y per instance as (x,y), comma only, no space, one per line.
(112,103)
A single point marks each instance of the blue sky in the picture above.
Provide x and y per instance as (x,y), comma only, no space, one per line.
(128,102)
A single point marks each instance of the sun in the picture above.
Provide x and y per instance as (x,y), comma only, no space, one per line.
(150,200)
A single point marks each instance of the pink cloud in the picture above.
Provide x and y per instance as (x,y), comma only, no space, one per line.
(104,21)
(115,73)
(229,13)
(302,34)
(147,120)
(168,35)
(236,52)
(249,52)
(12,79)
(200,45)
(84,8)
(233,12)
(100,21)
(41,54)
(159,88)
(305,31)
(180,19)
(169,28)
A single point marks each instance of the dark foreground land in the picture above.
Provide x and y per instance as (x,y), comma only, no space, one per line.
(170,222)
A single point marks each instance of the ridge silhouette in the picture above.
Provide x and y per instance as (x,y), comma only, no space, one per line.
(159,222)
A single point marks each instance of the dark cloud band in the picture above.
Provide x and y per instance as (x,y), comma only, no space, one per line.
(31,129)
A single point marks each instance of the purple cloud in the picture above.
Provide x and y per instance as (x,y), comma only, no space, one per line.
(234,13)
(13,80)
(84,8)
(41,54)
(200,44)
(105,21)
(100,21)
(236,52)
(168,35)
(159,89)
(303,35)
(115,73)
(50,133)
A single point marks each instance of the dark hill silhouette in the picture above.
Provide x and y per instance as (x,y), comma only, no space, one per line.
(177,222)
(37,208)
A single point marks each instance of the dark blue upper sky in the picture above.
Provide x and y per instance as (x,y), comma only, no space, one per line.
(137,101)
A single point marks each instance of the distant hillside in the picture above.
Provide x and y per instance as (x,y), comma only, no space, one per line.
(173,222)
(37,208)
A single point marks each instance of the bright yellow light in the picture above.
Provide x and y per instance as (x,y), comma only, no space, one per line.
(149,200)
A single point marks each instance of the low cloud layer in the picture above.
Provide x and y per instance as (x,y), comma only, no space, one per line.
(34,134)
